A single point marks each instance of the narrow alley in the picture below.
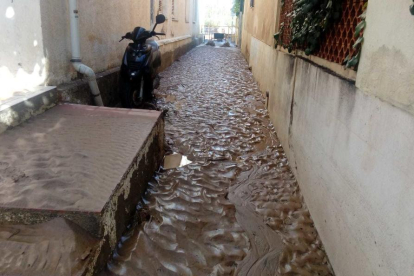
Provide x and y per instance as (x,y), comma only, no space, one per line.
(236,207)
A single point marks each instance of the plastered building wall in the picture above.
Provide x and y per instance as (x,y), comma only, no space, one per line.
(349,145)
(36,49)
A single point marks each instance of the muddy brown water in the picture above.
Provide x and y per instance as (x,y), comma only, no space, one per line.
(237,208)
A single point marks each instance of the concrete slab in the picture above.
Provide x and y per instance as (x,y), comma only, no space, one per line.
(87,164)
(24,105)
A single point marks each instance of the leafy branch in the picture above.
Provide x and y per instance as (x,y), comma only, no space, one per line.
(310,19)
(352,60)
(237,6)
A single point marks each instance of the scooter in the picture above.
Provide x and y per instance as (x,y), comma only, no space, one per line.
(138,76)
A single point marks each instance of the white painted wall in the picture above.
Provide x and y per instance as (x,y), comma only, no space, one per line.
(22,60)
(387,65)
(353,154)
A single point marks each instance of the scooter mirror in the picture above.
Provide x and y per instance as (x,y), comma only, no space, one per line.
(160,19)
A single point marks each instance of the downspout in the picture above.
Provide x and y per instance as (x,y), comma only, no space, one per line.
(76,58)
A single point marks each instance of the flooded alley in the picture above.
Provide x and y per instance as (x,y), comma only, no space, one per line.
(232,206)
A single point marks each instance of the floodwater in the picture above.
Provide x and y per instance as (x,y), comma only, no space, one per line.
(235,207)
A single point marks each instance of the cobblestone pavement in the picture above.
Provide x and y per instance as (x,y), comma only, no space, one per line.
(237,208)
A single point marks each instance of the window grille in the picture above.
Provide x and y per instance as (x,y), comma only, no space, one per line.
(337,43)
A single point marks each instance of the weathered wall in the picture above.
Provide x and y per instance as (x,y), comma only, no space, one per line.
(260,21)
(351,148)
(184,21)
(78,92)
(38,48)
(387,65)
(353,163)
(102,24)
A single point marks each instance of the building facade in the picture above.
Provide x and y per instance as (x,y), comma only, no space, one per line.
(36,48)
(348,133)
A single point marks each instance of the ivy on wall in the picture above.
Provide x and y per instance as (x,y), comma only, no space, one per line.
(310,19)
(352,60)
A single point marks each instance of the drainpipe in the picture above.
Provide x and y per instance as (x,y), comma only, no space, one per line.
(76,58)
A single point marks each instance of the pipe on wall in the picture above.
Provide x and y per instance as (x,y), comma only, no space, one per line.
(76,57)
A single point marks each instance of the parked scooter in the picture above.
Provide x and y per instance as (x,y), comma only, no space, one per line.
(138,76)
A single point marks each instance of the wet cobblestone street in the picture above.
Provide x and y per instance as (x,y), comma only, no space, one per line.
(236,209)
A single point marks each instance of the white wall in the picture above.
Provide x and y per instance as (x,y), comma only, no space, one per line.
(353,154)
(22,60)
(351,146)
(387,65)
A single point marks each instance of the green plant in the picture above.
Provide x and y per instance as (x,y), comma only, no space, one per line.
(237,7)
(352,60)
(310,19)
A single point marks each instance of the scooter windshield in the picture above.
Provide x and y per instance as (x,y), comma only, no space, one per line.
(140,34)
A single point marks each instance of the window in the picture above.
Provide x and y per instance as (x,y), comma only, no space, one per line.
(251,3)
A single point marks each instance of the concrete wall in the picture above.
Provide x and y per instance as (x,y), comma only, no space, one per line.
(387,65)
(22,59)
(36,36)
(350,146)
(184,21)
(78,92)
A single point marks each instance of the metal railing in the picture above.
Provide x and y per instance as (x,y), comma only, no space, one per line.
(230,32)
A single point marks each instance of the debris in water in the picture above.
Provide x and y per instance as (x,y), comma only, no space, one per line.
(211,43)
(175,160)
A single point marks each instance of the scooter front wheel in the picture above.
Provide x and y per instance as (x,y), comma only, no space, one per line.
(132,94)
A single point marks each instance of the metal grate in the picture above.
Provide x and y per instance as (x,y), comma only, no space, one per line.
(285,20)
(337,43)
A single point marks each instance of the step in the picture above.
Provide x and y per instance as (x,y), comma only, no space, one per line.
(25,104)
(89,165)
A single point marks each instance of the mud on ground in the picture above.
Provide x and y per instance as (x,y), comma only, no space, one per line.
(237,208)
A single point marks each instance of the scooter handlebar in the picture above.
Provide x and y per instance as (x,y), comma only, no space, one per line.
(155,34)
